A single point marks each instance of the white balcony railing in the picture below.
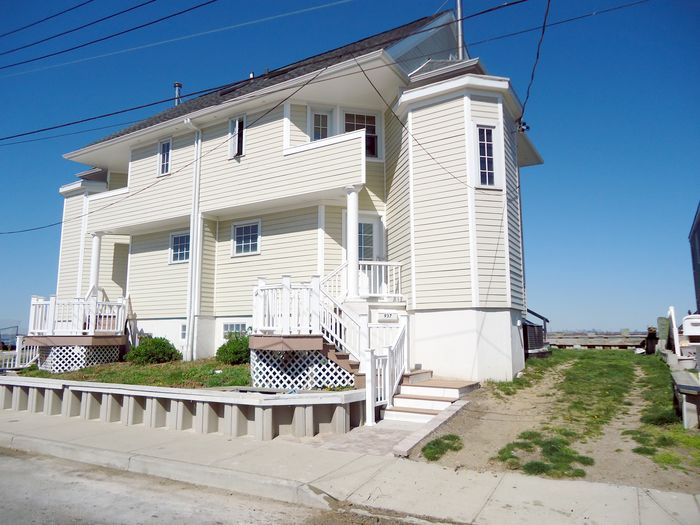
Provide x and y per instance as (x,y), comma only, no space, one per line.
(89,316)
(380,279)
(286,308)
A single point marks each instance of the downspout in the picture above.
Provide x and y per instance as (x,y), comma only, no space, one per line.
(195,249)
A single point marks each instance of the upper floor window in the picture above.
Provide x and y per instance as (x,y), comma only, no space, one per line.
(355,121)
(486,172)
(164,148)
(320,126)
(246,238)
(236,132)
(180,247)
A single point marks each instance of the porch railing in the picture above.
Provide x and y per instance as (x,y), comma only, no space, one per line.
(89,316)
(380,279)
(21,357)
(287,308)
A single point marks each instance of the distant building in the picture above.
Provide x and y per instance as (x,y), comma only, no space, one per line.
(694,238)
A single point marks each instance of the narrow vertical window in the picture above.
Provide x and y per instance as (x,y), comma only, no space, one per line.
(179,247)
(486,173)
(164,148)
(237,137)
(320,126)
(365,241)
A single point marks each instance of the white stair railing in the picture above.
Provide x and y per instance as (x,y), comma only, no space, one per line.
(385,369)
(380,279)
(339,327)
(335,283)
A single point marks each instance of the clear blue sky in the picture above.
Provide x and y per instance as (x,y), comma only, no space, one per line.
(613,112)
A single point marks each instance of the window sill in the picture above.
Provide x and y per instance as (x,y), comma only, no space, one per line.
(489,188)
(179,262)
(236,157)
(163,175)
(233,256)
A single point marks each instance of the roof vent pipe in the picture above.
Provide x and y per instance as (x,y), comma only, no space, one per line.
(251,75)
(460,37)
(178,87)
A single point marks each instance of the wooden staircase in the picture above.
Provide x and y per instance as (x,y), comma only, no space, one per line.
(343,360)
(421,396)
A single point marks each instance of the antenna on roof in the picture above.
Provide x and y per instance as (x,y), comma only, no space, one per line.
(178,87)
(460,37)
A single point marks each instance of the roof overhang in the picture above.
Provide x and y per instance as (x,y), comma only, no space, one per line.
(81,187)
(527,153)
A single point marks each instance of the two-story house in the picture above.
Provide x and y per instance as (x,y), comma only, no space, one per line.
(384,174)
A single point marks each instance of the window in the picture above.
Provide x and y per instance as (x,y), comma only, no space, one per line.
(233,328)
(179,247)
(183,331)
(355,121)
(366,241)
(164,148)
(246,238)
(236,133)
(320,126)
(486,173)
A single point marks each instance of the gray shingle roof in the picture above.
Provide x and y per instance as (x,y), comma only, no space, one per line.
(282,74)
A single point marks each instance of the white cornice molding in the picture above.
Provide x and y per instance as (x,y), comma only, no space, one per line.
(82,186)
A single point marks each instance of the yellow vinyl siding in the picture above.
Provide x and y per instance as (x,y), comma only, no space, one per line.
(264,173)
(397,200)
(372,195)
(491,239)
(297,125)
(333,239)
(485,108)
(287,247)
(208,268)
(117,180)
(158,289)
(147,192)
(70,247)
(441,207)
(515,251)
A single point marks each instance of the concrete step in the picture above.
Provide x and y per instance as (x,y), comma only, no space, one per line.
(414,415)
(439,388)
(423,402)
(416,376)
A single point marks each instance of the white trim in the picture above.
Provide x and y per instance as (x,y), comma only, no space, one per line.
(471,199)
(81,257)
(170,247)
(82,186)
(233,237)
(128,266)
(108,193)
(216,265)
(374,217)
(456,66)
(329,111)
(286,125)
(411,208)
(335,139)
(501,162)
(169,140)
(231,145)
(379,128)
(60,247)
(320,240)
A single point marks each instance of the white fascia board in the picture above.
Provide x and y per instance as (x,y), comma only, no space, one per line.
(417,76)
(81,186)
(159,129)
(527,152)
(465,83)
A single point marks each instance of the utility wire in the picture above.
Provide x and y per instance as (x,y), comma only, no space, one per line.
(537,60)
(58,135)
(73,30)
(109,37)
(160,179)
(32,24)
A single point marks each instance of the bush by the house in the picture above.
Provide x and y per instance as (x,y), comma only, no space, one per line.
(153,350)
(235,350)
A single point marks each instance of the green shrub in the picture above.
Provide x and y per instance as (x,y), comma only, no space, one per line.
(235,350)
(153,350)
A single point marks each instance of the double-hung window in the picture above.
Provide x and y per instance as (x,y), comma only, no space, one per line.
(486,171)
(246,238)
(180,247)
(320,123)
(164,149)
(236,135)
(355,121)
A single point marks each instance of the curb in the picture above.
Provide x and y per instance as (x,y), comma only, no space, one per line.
(288,491)
(404,448)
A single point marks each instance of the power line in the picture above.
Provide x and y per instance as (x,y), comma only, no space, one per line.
(160,179)
(32,24)
(73,30)
(109,37)
(537,60)
(71,133)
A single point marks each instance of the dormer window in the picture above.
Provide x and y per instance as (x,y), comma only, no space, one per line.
(355,121)
(164,148)
(236,132)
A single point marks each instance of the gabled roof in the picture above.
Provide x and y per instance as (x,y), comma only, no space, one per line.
(282,74)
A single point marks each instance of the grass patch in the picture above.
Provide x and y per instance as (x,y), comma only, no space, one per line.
(644,451)
(438,447)
(534,372)
(191,374)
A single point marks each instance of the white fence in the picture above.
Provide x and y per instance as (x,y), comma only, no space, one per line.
(287,308)
(90,316)
(22,357)
(380,279)
(386,367)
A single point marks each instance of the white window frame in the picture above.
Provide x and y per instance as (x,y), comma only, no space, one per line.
(329,111)
(257,222)
(329,124)
(379,234)
(170,249)
(494,152)
(159,171)
(233,136)
(498,154)
(379,124)
(183,332)
(224,332)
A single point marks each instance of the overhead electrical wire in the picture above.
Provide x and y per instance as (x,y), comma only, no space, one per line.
(37,22)
(537,59)
(78,28)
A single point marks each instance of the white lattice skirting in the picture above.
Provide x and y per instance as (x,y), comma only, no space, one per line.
(296,370)
(70,358)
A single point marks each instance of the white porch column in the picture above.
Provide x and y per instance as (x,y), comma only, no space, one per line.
(95,260)
(353,218)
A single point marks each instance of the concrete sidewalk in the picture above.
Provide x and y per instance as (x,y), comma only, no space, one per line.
(317,477)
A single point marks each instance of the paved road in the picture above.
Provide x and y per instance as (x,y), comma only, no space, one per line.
(45,490)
